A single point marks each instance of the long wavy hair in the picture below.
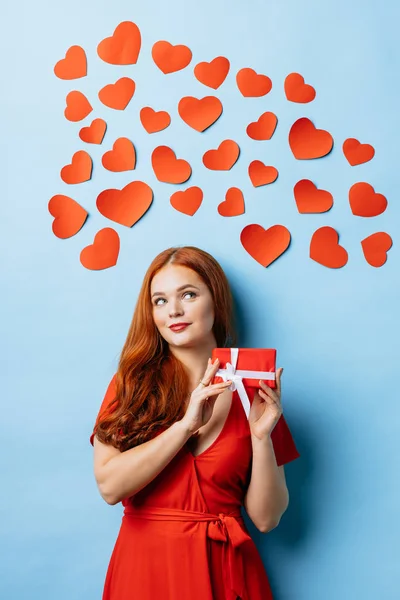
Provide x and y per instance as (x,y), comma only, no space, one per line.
(151,384)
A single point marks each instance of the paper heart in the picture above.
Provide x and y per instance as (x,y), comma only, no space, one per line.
(325,248)
(169,58)
(122,157)
(214,73)
(251,84)
(167,167)
(73,66)
(79,170)
(125,206)
(118,95)
(263,128)
(233,205)
(265,245)
(306,141)
(298,91)
(69,216)
(223,158)
(357,153)
(261,174)
(365,202)
(188,201)
(103,253)
(375,247)
(78,106)
(94,134)
(199,113)
(154,121)
(310,199)
(123,47)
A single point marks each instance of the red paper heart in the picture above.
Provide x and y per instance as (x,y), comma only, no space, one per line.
(265,245)
(69,216)
(188,201)
(79,170)
(78,106)
(118,95)
(73,66)
(154,121)
(261,174)
(325,248)
(223,158)
(199,114)
(103,253)
(263,128)
(298,91)
(214,73)
(251,84)
(307,142)
(122,157)
(125,206)
(357,153)
(167,167)
(375,247)
(123,47)
(169,58)
(233,205)
(365,202)
(310,199)
(93,134)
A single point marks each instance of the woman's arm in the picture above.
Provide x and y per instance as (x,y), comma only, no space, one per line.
(122,474)
(267,496)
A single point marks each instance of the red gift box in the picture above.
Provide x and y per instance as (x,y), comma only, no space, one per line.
(245,367)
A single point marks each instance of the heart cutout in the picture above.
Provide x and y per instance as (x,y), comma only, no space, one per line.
(263,128)
(69,216)
(187,201)
(357,153)
(118,95)
(169,58)
(325,248)
(365,202)
(298,91)
(121,158)
(154,121)
(223,158)
(251,84)
(233,205)
(103,253)
(73,66)
(375,247)
(265,245)
(93,134)
(214,73)
(306,141)
(167,167)
(200,113)
(309,199)
(261,174)
(78,106)
(79,170)
(123,47)
(125,206)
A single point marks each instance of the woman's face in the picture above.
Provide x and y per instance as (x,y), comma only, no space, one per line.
(179,295)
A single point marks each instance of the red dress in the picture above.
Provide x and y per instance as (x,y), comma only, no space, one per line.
(183,537)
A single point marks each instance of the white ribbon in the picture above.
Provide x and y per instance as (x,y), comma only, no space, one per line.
(230,373)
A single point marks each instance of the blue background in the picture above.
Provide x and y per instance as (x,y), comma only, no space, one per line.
(336,330)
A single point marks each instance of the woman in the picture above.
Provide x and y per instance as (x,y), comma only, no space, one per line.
(179,451)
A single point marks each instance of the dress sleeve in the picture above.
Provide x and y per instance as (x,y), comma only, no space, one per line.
(108,398)
(283,443)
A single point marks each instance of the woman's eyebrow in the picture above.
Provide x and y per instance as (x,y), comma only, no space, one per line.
(182,287)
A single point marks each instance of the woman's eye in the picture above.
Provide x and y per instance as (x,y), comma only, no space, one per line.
(185,294)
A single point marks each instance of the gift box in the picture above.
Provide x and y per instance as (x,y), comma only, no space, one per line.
(245,367)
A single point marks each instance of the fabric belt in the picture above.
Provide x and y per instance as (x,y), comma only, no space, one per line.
(222,527)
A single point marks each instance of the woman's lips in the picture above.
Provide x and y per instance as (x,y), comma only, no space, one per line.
(180,327)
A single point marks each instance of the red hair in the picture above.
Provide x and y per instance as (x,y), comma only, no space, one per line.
(150,383)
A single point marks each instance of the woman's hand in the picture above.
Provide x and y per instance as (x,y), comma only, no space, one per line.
(266,408)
